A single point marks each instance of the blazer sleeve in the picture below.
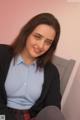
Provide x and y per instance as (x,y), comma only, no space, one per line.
(4,52)
(53,95)
(3,58)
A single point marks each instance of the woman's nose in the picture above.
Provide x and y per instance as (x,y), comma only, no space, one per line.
(41,45)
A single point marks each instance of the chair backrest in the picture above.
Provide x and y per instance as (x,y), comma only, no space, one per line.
(65,68)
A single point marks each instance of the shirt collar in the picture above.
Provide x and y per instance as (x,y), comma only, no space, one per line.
(20,60)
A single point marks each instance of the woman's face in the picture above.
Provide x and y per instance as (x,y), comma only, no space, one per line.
(39,41)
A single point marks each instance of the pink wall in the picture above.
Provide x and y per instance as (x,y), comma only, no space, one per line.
(15,13)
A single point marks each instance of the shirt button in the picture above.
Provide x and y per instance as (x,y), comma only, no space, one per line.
(25,84)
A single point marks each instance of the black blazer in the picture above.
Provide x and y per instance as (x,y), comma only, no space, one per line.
(51,88)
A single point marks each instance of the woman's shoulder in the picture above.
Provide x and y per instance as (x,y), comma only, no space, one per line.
(52,72)
(4,48)
(51,67)
(5,51)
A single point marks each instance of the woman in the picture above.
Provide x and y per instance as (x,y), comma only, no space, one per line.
(29,82)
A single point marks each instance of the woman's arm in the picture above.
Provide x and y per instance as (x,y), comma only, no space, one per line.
(53,95)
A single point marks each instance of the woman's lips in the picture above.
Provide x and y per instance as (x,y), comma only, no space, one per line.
(37,50)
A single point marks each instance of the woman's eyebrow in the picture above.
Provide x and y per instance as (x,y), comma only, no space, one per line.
(38,34)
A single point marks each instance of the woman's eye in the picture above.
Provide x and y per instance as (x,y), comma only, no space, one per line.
(48,43)
(37,37)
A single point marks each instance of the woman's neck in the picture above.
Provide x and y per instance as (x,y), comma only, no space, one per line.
(27,59)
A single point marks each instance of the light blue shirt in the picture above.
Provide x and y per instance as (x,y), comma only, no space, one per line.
(23,84)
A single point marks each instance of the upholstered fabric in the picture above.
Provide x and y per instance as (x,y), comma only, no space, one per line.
(65,67)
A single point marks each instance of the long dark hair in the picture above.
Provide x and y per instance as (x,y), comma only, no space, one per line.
(43,18)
